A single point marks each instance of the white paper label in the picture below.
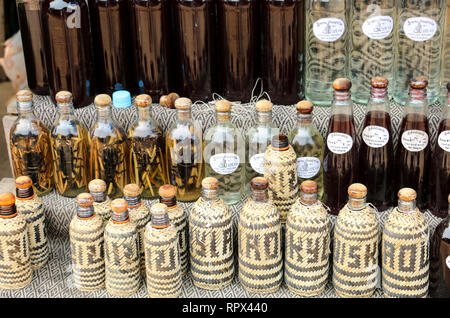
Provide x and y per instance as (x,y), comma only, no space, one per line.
(414,140)
(339,143)
(378,27)
(447,261)
(444,140)
(328,29)
(224,163)
(256,162)
(419,28)
(375,136)
(307,167)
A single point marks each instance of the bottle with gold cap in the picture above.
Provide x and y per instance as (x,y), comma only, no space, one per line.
(87,246)
(162,255)
(15,258)
(184,150)
(69,140)
(309,146)
(30,206)
(102,203)
(405,249)
(148,164)
(259,241)
(122,270)
(178,219)
(108,149)
(211,239)
(225,154)
(29,141)
(307,243)
(355,246)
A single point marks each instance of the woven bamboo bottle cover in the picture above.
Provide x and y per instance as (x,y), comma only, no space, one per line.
(307,244)
(405,249)
(121,252)
(211,239)
(15,260)
(162,255)
(259,241)
(280,169)
(29,205)
(177,218)
(102,203)
(355,249)
(87,246)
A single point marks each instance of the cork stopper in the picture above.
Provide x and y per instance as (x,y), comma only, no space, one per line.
(379,82)
(280,142)
(169,100)
(143,100)
(342,84)
(264,106)
(309,186)
(259,183)
(160,218)
(119,205)
(102,100)
(24,182)
(97,186)
(304,107)
(132,190)
(158,209)
(7,199)
(407,194)
(210,183)
(24,96)
(418,82)
(167,191)
(222,106)
(183,103)
(64,97)
(85,199)
(357,191)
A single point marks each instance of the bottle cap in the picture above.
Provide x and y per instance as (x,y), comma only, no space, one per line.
(63,97)
(259,183)
(263,106)
(7,199)
(102,100)
(210,183)
(158,209)
(24,182)
(379,82)
(183,103)
(309,186)
(97,185)
(169,100)
(167,191)
(132,190)
(418,82)
(407,194)
(280,142)
(85,199)
(357,191)
(304,107)
(143,100)
(24,96)
(222,106)
(119,205)
(342,84)
(121,99)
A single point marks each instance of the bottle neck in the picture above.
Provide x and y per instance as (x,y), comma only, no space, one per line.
(308,198)
(133,202)
(170,202)
(144,113)
(264,118)
(104,114)
(210,195)
(406,206)
(24,194)
(184,114)
(7,212)
(85,212)
(25,112)
(160,221)
(356,204)
(304,119)
(417,102)
(378,99)
(99,197)
(223,118)
(342,103)
(120,217)
(65,109)
(260,196)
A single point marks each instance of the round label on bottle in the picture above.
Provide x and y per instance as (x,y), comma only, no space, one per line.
(444,140)
(414,140)
(328,29)
(419,28)
(307,167)
(224,163)
(339,143)
(375,136)
(447,262)
(256,162)
(378,27)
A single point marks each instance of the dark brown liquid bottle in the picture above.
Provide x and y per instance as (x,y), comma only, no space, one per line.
(69,52)
(340,164)
(413,150)
(376,154)
(283,25)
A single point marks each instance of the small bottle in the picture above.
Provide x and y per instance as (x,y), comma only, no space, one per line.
(355,246)
(30,206)
(122,271)
(309,146)
(307,240)
(280,169)
(69,141)
(102,203)
(178,219)
(162,258)
(87,246)
(405,249)
(30,146)
(211,239)
(15,262)
(224,154)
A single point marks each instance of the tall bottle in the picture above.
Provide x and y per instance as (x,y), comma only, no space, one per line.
(376,154)
(340,163)
(445,67)
(327,39)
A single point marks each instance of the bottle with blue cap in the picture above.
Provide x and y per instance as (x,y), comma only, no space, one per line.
(121,99)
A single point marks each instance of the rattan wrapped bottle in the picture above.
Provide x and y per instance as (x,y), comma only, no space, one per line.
(355,246)
(30,206)
(102,203)
(162,257)
(87,246)
(307,243)
(121,252)
(259,240)
(15,260)
(280,169)
(211,239)
(405,249)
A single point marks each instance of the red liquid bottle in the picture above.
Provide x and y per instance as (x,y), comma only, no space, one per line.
(376,154)
(340,164)
(413,149)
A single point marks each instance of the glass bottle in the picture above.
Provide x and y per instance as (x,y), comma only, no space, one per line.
(108,149)
(309,146)
(30,146)
(69,141)
(224,154)
(326,47)
(445,68)
(340,163)
(184,150)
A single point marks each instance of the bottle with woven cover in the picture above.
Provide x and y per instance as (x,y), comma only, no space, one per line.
(102,203)
(30,207)
(355,246)
(29,140)
(15,262)
(211,239)
(307,243)
(122,270)
(405,249)
(259,241)
(87,246)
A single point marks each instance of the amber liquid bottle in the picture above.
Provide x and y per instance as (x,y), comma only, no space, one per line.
(340,163)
